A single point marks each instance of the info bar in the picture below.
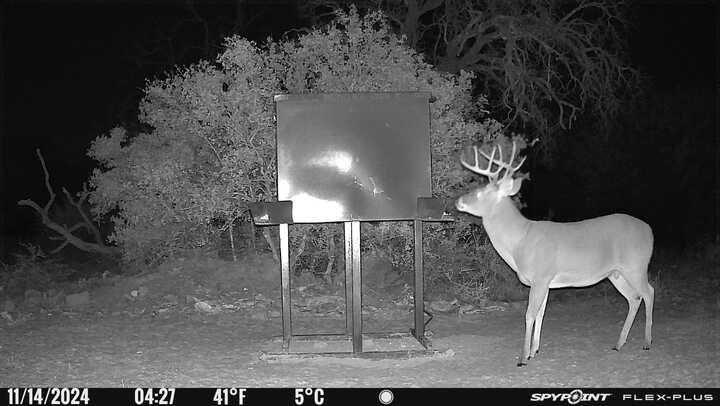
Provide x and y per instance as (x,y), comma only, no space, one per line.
(314,396)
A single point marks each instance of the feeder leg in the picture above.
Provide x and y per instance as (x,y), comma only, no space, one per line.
(419,330)
(348,279)
(285,282)
(356,288)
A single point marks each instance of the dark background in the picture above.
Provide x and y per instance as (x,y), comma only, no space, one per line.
(73,70)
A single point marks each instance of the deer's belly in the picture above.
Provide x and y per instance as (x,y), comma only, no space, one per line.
(578,279)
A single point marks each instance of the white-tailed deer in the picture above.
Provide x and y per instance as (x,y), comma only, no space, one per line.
(546,254)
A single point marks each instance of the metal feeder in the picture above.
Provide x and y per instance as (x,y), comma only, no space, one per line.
(352,157)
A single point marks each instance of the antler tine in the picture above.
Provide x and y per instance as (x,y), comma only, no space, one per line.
(509,169)
(475,167)
(491,158)
(522,161)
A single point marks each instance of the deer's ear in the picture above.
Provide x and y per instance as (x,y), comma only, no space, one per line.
(510,187)
(517,183)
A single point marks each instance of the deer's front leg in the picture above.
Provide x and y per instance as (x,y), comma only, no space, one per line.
(538,326)
(538,295)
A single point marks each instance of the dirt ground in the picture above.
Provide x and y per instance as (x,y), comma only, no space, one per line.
(197,322)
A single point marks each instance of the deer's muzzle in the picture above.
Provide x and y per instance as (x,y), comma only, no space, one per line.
(459,204)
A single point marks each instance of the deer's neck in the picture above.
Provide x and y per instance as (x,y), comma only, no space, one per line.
(506,227)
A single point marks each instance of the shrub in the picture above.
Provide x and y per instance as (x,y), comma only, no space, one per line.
(211,148)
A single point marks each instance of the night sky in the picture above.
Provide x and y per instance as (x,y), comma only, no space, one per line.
(69,74)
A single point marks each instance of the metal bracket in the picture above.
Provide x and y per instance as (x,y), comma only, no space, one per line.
(271,213)
(434,209)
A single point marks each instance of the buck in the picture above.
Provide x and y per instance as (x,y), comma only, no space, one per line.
(547,254)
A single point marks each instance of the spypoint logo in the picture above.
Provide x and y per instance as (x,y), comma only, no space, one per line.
(573,398)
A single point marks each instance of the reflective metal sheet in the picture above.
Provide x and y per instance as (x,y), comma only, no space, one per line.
(353,156)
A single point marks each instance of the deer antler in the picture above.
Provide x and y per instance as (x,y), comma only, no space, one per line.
(476,168)
(492,175)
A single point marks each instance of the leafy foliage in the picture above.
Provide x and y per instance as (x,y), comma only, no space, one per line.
(211,148)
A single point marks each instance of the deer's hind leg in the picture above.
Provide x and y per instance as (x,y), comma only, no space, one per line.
(633,299)
(637,278)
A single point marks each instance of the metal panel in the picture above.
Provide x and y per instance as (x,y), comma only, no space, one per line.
(353,156)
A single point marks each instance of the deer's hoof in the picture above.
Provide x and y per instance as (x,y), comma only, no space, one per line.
(522,361)
(616,349)
(646,347)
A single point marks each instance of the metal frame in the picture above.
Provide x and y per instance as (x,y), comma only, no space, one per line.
(353,291)
(281,213)
(398,354)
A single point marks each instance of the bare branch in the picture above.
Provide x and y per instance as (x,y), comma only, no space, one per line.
(88,224)
(47,180)
(60,247)
(63,231)
(67,232)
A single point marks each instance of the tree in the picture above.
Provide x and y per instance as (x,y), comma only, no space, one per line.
(541,63)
